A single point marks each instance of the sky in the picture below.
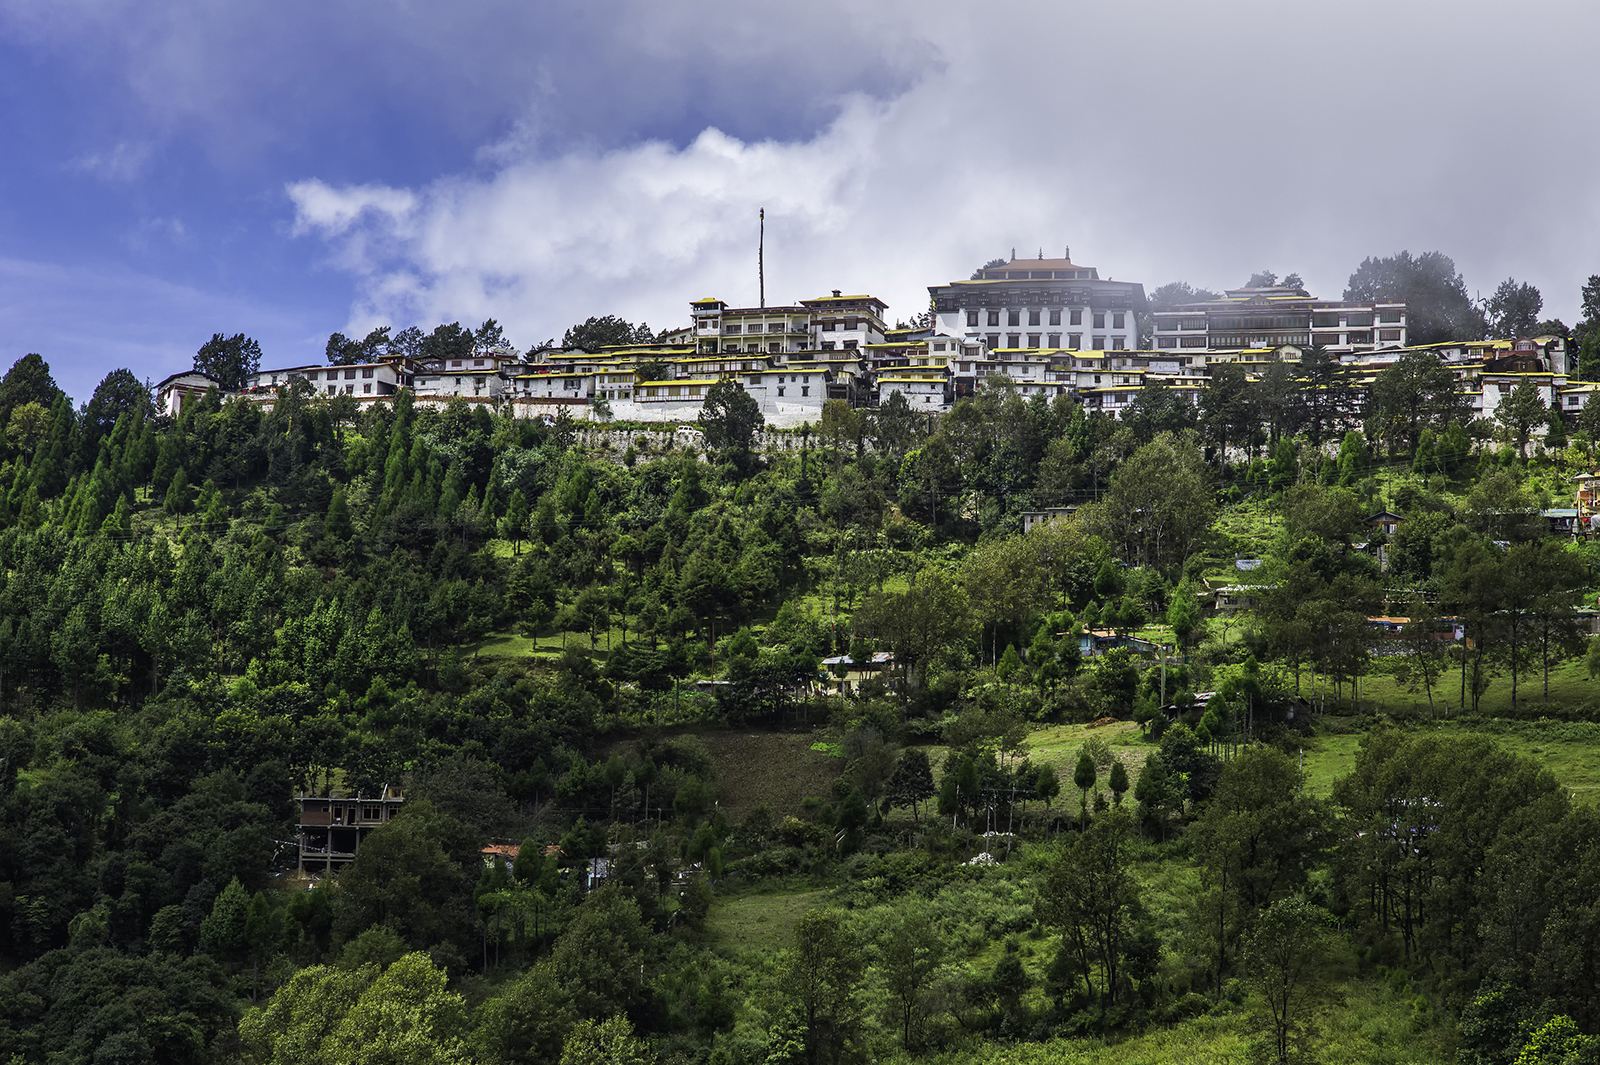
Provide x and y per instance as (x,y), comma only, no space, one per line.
(179,168)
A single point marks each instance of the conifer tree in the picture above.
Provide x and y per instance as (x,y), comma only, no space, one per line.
(337,524)
(177,497)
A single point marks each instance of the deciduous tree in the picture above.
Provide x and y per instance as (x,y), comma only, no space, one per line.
(1285,960)
(1438,307)
(229,359)
(730,419)
(1092,898)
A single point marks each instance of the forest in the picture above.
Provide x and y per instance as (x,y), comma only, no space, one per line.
(749,746)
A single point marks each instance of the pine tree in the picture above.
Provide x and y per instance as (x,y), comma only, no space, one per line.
(222,933)
(514,526)
(337,524)
(1083,777)
(177,498)
(450,494)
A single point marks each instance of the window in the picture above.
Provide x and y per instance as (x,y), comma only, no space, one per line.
(775,327)
(1192,342)
(332,389)
(1117,343)
(1390,318)
(780,391)
(1389,334)
(1359,321)
(994,317)
(1325,320)
(1167,342)
(477,362)
(828,327)
(966,367)
(1013,318)
(805,390)
(1014,340)
(367,372)
(1118,321)
(755,379)
(1033,317)
(850,345)
(1099,344)
(1074,340)
(1054,340)
(1033,340)
(993,340)
(349,375)
(1193,323)
(773,346)
(1099,319)
(455,363)
(1055,316)
(972,317)
(366,390)
(1076,317)
(1360,338)
(938,345)
(827,345)
(1096,378)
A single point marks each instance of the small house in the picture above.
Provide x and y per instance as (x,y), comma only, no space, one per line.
(333,826)
(842,674)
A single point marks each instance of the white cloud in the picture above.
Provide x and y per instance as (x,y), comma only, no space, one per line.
(894,145)
(333,211)
(1136,133)
(540,245)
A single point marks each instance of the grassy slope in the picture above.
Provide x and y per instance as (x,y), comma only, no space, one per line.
(776,768)
(759,922)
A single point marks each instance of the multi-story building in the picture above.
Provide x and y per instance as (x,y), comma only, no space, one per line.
(479,376)
(332,827)
(367,381)
(1041,303)
(927,391)
(845,323)
(175,391)
(1273,317)
(719,328)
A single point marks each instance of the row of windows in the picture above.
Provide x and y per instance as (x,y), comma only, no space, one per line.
(1271,321)
(672,391)
(1357,320)
(1260,339)
(1074,340)
(757,327)
(333,375)
(1075,317)
(455,364)
(333,390)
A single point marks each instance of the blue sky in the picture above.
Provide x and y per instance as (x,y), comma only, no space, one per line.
(176,169)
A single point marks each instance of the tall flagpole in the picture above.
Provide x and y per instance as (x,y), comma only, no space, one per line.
(761,259)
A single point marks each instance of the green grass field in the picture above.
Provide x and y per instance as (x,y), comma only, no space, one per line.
(759,922)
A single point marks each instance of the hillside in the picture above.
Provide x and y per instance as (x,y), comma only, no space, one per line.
(444,729)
